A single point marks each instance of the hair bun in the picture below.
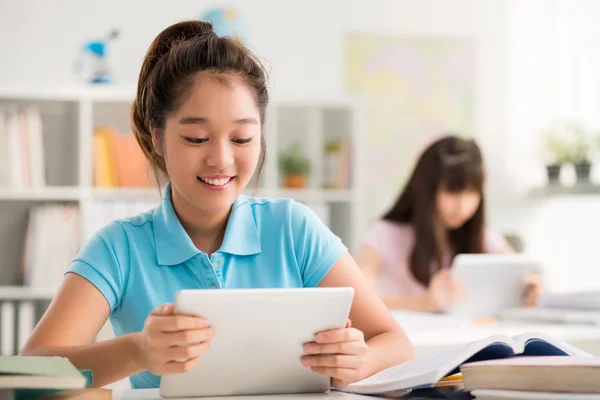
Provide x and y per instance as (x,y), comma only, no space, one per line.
(206,28)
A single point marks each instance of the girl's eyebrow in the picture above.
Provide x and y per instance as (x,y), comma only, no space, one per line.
(202,120)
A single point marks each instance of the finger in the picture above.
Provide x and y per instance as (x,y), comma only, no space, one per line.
(356,347)
(339,335)
(339,384)
(340,375)
(175,323)
(532,277)
(190,336)
(331,361)
(187,352)
(459,290)
(443,275)
(178,367)
(163,309)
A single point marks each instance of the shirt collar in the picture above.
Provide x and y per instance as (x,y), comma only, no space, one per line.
(174,246)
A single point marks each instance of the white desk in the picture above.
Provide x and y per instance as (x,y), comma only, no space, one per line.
(152,394)
(427,341)
(428,336)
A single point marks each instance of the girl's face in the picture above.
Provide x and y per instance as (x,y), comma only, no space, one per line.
(212,143)
(454,209)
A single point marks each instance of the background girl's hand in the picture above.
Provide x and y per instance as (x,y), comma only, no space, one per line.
(444,291)
(532,290)
(337,353)
(172,343)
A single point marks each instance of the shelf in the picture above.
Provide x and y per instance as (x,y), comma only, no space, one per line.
(25,293)
(49,193)
(126,93)
(73,92)
(76,194)
(122,193)
(563,190)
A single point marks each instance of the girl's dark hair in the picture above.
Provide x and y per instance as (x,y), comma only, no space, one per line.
(173,60)
(452,164)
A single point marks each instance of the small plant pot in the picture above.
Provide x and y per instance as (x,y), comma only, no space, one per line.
(582,171)
(553,173)
(295,181)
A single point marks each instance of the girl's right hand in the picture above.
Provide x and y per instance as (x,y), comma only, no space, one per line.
(444,291)
(171,344)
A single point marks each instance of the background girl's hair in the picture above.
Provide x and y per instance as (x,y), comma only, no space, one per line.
(453,164)
(173,60)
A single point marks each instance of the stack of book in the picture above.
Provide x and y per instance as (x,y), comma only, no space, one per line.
(22,148)
(28,377)
(119,160)
(494,368)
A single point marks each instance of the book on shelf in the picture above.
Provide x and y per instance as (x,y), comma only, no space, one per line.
(22,146)
(337,165)
(101,212)
(429,371)
(118,160)
(51,241)
(534,374)
(7,328)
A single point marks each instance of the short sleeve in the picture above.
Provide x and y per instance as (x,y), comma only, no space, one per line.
(317,248)
(375,237)
(99,261)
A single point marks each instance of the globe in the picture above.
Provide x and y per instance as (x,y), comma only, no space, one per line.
(227,22)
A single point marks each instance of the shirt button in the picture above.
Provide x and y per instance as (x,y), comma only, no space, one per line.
(217,264)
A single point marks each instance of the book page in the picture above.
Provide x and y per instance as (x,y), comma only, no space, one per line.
(537,343)
(426,371)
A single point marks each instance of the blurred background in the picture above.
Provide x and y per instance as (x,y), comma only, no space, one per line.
(358,89)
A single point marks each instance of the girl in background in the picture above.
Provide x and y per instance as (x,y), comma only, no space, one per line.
(441,213)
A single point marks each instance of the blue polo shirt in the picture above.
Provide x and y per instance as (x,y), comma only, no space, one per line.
(140,262)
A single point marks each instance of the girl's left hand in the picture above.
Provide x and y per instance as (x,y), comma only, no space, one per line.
(533,289)
(337,353)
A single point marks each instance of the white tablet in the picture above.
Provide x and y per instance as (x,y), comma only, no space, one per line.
(492,282)
(259,337)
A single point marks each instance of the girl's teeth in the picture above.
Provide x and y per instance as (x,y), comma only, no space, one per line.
(216,182)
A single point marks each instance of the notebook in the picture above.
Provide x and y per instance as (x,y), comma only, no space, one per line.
(555,315)
(521,395)
(29,372)
(427,371)
(589,300)
(549,374)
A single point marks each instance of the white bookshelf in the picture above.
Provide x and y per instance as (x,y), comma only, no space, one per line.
(70,115)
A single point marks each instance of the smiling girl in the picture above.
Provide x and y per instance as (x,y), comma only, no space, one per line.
(198,116)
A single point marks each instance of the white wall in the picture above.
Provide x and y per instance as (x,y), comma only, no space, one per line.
(302,41)
(553,76)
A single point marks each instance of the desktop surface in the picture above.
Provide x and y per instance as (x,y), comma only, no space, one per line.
(152,394)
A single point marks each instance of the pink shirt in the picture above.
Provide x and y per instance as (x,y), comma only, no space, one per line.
(393,243)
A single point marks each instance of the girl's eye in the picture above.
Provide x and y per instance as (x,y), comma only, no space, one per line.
(195,140)
(242,141)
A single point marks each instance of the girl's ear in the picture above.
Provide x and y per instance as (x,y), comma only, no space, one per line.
(157,141)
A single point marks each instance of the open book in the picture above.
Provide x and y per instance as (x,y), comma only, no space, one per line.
(427,371)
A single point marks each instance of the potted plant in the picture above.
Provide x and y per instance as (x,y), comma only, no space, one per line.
(295,167)
(580,152)
(557,154)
